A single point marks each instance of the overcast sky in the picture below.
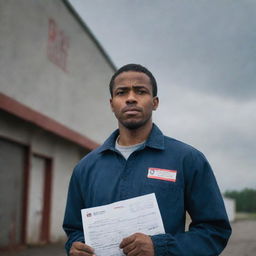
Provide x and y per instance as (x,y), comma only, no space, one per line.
(203,55)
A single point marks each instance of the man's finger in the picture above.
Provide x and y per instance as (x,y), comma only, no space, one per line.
(127,241)
(79,248)
(128,248)
(134,252)
(137,244)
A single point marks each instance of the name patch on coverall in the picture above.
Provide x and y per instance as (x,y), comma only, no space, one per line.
(162,174)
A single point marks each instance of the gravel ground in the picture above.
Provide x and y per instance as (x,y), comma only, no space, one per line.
(242,243)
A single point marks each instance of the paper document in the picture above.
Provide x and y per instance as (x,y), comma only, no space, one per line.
(106,226)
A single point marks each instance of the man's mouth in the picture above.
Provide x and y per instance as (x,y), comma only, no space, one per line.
(131,110)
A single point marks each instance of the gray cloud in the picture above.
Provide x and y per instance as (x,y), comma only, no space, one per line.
(207,45)
(224,130)
(202,53)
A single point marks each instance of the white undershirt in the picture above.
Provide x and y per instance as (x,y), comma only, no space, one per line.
(126,151)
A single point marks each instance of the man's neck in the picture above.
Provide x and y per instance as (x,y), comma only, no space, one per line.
(128,137)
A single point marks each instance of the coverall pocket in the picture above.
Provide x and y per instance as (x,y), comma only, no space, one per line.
(163,189)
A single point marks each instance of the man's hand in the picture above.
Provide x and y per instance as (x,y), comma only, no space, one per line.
(81,249)
(137,244)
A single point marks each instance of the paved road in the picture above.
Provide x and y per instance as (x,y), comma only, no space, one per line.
(242,243)
(243,239)
(44,250)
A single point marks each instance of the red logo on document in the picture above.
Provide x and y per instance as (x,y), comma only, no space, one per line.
(162,174)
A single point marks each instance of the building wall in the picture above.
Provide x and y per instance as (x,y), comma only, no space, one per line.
(50,63)
(64,156)
(53,70)
(230,205)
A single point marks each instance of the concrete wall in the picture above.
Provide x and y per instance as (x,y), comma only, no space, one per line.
(51,64)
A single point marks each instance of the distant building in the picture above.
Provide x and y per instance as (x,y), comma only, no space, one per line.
(230,205)
(53,110)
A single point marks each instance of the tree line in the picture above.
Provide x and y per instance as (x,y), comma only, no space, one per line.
(245,199)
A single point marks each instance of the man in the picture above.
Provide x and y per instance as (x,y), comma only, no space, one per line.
(121,168)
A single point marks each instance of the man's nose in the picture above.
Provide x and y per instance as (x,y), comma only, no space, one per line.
(131,98)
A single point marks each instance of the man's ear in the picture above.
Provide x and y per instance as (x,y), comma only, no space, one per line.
(155,102)
(111,104)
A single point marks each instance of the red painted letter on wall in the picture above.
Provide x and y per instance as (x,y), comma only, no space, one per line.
(58,44)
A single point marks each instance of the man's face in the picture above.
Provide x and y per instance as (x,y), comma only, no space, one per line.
(132,101)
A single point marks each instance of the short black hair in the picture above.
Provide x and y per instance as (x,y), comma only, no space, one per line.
(136,68)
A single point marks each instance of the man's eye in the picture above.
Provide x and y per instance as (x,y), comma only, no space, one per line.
(141,92)
(119,92)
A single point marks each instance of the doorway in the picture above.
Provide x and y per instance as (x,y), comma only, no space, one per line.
(39,200)
(13,167)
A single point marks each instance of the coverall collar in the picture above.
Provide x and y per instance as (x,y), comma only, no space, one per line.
(155,140)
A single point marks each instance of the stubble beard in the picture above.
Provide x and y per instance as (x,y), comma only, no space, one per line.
(133,125)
